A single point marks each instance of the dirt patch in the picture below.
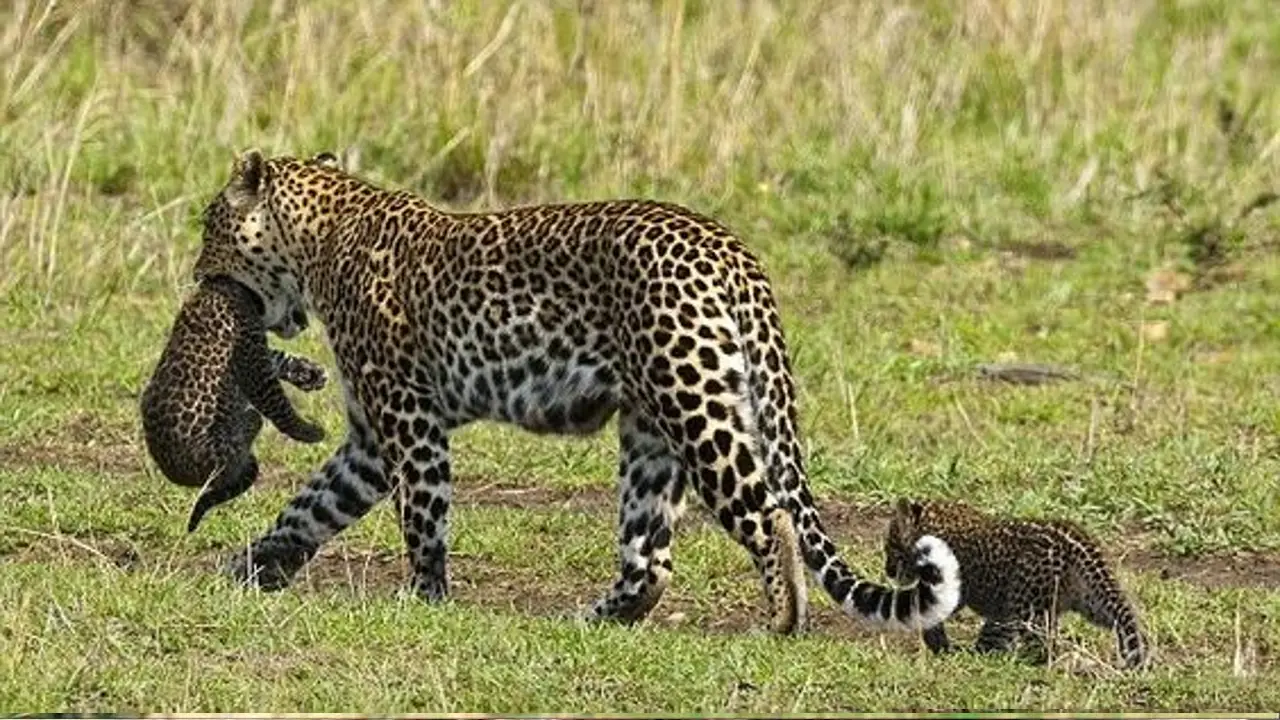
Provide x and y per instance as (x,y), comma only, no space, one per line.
(1209,571)
(474,580)
(481,582)
(845,521)
(850,523)
(489,492)
(105,459)
(854,523)
(84,443)
(23,545)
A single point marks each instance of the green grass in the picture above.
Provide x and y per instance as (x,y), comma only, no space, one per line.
(134,641)
(932,185)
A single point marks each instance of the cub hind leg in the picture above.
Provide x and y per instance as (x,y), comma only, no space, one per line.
(1105,605)
(230,483)
(237,467)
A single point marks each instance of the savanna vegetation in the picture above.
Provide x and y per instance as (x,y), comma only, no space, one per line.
(937,187)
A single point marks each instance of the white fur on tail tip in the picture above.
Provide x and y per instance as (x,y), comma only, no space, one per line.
(934,550)
(930,550)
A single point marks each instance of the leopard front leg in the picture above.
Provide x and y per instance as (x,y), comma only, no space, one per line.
(350,483)
(1038,632)
(935,638)
(424,489)
(997,635)
(414,446)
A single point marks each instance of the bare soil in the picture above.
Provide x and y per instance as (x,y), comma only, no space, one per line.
(86,444)
(83,443)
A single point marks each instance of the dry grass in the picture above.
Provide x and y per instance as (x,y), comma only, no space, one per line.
(482,103)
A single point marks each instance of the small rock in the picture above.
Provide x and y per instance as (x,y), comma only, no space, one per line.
(1025,373)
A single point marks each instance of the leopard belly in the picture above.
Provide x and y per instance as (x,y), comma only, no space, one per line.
(544,387)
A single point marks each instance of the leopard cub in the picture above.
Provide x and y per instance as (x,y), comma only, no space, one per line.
(1019,575)
(202,407)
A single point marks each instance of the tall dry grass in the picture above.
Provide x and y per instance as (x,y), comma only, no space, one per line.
(119,118)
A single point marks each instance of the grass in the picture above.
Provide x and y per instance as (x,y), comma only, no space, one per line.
(932,184)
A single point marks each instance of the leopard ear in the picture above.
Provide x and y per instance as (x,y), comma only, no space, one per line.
(248,176)
(326,159)
(917,509)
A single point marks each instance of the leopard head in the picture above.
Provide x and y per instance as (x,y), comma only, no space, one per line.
(244,240)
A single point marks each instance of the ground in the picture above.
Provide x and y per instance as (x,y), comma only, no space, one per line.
(935,187)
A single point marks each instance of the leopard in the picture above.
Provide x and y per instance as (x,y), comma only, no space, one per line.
(557,318)
(1019,575)
(216,378)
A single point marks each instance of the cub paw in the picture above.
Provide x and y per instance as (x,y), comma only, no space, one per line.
(304,375)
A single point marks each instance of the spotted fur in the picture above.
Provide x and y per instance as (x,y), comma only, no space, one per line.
(202,408)
(1019,575)
(553,318)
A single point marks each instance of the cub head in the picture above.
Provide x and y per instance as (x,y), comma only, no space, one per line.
(243,240)
(900,540)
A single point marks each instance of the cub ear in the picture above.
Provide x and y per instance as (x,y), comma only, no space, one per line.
(248,175)
(908,512)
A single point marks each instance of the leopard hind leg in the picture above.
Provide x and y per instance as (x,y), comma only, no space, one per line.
(724,467)
(650,491)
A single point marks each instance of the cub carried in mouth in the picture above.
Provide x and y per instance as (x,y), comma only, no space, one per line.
(203,406)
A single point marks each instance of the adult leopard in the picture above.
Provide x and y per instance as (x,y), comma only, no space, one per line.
(553,318)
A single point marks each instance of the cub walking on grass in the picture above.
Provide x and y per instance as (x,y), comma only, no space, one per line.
(200,409)
(1018,575)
